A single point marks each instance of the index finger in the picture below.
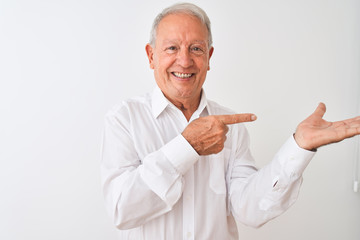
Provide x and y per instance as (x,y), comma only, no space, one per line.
(236,118)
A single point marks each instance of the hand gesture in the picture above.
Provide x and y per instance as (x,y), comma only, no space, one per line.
(315,132)
(208,134)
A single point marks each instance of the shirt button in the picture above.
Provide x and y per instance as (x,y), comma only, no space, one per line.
(188,235)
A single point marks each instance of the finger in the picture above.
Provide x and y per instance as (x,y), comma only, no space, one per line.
(352,120)
(354,124)
(320,110)
(236,118)
(351,132)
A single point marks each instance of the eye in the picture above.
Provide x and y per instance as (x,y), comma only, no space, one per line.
(197,50)
(171,49)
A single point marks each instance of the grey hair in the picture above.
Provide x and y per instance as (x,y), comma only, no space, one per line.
(187,8)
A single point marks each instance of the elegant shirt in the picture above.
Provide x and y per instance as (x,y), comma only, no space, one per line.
(157,187)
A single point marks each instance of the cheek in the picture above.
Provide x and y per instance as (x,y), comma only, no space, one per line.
(203,63)
(161,69)
(164,62)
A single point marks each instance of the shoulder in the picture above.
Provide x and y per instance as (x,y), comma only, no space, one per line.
(130,106)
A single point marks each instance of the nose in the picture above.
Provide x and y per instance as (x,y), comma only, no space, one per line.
(184,58)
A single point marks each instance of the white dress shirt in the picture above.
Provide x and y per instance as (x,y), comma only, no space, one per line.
(157,187)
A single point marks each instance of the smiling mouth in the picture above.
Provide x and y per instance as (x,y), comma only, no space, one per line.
(182,75)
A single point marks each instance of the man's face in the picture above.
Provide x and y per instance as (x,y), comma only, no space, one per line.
(180,58)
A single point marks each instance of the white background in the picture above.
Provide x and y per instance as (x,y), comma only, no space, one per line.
(63,64)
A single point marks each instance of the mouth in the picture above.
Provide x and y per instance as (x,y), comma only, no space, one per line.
(182,75)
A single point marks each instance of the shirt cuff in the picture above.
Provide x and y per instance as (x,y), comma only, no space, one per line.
(180,153)
(294,158)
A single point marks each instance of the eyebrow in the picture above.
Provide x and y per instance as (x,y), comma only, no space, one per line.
(174,41)
(200,41)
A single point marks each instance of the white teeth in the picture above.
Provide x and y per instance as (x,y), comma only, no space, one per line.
(182,75)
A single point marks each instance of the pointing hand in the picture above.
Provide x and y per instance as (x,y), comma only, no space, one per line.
(208,134)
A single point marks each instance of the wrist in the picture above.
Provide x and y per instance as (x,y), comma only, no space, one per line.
(301,143)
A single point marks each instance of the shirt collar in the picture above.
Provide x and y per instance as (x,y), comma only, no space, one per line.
(203,106)
(159,103)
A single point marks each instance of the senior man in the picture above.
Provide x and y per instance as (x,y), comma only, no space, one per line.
(176,165)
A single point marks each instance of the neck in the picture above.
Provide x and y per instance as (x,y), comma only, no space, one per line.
(187,106)
(188,111)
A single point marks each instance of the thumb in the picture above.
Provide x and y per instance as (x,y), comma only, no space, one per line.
(320,110)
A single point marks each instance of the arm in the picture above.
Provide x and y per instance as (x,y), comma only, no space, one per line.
(260,196)
(256,197)
(138,190)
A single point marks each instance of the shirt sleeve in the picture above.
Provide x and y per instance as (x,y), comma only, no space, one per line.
(135,190)
(257,196)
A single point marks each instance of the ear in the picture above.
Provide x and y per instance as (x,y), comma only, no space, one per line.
(150,54)
(210,54)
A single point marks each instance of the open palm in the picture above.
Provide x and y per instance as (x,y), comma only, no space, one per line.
(315,132)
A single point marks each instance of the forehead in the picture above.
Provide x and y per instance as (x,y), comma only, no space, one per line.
(182,26)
